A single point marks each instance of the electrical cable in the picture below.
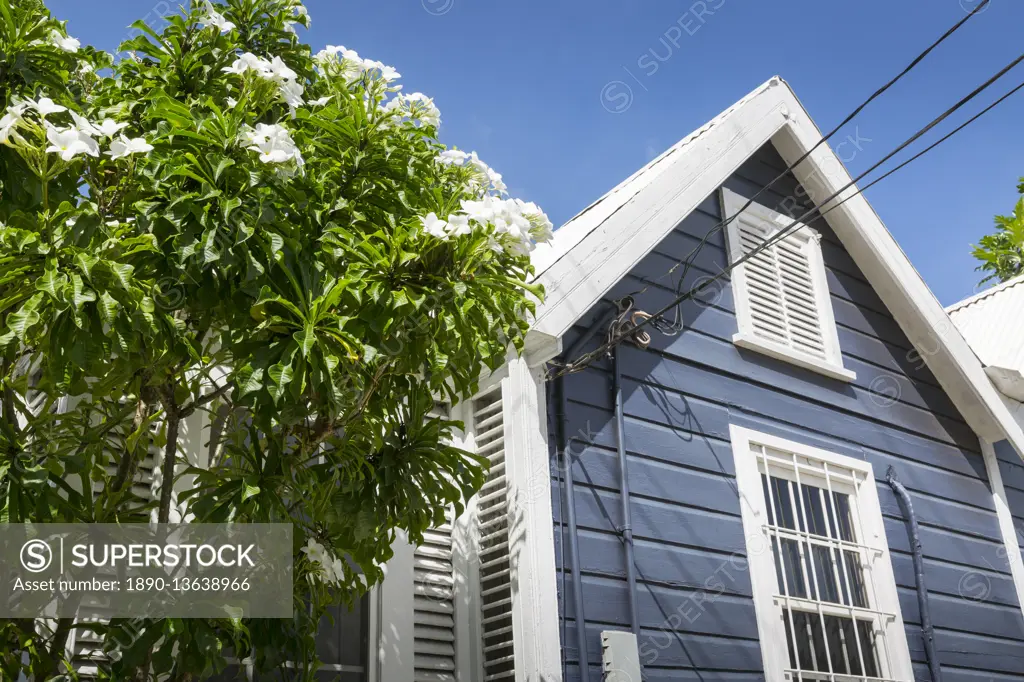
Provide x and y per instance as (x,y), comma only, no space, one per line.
(585,359)
(674,327)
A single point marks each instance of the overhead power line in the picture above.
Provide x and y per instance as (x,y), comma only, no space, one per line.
(614,339)
(675,327)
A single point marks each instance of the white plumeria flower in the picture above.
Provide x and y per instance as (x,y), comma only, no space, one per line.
(518,225)
(110,127)
(327,568)
(12,119)
(321,101)
(85,67)
(216,19)
(387,73)
(291,93)
(274,144)
(279,70)
(46,106)
(452,157)
(83,126)
(69,143)
(248,61)
(417,107)
(458,225)
(434,226)
(232,102)
(19,106)
(66,43)
(8,124)
(123,147)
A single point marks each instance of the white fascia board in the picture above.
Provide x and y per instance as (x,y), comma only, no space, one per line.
(887,268)
(580,277)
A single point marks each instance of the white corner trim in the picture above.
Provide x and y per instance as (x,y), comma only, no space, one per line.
(753,511)
(787,354)
(580,277)
(396,630)
(1006,527)
(531,543)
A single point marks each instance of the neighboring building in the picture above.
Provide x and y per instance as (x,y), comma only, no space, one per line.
(766,543)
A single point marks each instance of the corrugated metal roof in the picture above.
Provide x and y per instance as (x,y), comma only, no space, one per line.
(993,324)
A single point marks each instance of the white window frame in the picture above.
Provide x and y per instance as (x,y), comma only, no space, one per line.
(878,574)
(832,364)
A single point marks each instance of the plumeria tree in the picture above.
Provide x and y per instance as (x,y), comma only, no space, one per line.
(226,224)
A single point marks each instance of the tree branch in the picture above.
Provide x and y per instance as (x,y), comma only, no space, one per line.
(166,393)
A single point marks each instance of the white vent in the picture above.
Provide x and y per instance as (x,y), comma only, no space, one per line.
(780,289)
(783,306)
(495,568)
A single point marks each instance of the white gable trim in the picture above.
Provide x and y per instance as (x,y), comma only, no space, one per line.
(585,262)
(578,279)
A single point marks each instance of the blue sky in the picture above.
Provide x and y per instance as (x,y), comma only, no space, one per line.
(539,89)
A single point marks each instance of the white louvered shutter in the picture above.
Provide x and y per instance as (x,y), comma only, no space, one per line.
(434,600)
(86,646)
(781,292)
(494,563)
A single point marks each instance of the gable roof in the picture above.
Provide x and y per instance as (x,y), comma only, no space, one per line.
(598,247)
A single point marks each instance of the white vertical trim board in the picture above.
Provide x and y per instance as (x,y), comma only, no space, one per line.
(1006,527)
(395,648)
(803,467)
(532,545)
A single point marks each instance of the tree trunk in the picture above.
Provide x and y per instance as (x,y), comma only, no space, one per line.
(170,459)
(57,645)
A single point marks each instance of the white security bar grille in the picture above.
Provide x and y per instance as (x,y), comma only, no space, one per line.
(833,629)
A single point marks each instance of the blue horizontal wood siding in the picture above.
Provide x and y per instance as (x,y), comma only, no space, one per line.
(1011,469)
(680,396)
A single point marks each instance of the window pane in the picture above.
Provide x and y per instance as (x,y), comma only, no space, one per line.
(343,641)
(844,513)
(856,574)
(813,647)
(815,511)
(788,562)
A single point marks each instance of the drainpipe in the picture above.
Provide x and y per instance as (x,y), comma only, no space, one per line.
(627,522)
(574,546)
(565,462)
(922,591)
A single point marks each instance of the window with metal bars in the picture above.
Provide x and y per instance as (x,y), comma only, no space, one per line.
(495,570)
(781,294)
(823,584)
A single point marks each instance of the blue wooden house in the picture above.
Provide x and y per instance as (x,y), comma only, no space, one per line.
(722,490)
(803,473)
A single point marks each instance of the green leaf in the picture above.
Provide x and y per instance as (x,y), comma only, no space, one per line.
(25,318)
(306,338)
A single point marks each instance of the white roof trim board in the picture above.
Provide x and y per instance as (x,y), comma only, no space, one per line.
(602,244)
